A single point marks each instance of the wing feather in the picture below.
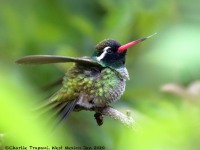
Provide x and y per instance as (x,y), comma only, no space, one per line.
(46,59)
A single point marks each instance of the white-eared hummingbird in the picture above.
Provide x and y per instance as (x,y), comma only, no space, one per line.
(94,81)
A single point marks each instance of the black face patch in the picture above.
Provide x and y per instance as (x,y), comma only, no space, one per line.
(114,58)
(107,53)
(114,45)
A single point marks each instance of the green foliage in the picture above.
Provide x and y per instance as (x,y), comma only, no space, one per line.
(73,28)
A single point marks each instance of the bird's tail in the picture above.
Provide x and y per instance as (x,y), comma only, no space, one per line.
(55,111)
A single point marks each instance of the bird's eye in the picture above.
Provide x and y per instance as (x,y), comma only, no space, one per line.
(109,51)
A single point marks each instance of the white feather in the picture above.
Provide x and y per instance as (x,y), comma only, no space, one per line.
(99,58)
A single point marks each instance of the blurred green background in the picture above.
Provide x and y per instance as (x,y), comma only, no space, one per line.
(164,120)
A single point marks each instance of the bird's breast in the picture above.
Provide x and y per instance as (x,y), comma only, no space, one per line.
(108,86)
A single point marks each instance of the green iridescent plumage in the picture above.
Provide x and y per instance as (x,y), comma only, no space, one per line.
(99,86)
(92,82)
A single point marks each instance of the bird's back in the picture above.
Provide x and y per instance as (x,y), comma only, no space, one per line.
(98,86)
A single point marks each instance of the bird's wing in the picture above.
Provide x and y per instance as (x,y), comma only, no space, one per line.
(53,84)
(46,59)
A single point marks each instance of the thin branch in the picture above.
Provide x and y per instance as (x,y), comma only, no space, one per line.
(110,112)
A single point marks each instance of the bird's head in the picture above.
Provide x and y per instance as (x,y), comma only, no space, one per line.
(111,53)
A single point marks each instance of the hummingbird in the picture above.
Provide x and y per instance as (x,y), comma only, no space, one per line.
(92,82)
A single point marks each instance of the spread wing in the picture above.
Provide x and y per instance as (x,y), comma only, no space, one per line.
(46,59)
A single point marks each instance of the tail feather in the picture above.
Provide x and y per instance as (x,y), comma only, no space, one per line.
(47,107)
(64,111)
(56,112)
(57,109)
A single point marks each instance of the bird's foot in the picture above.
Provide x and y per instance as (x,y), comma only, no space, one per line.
(99,118)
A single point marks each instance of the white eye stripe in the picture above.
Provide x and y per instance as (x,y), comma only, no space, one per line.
(106,48)
(99,58)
